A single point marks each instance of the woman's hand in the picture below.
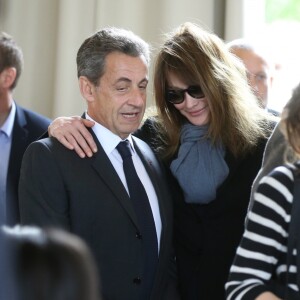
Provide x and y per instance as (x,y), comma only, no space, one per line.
(73,134)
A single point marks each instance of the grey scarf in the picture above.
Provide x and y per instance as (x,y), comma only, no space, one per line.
(200,167)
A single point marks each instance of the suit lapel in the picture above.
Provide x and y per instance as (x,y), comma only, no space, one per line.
(19,140)
(18,146)
(109,176)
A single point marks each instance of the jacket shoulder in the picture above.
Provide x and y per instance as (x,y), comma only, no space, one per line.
(32,118)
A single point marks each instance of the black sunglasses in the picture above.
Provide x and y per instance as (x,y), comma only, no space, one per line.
(177,96)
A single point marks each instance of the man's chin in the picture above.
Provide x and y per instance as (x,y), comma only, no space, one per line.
(129,129)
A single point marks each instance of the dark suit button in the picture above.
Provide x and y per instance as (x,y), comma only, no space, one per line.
(138,235)
(137,280)
(200,251)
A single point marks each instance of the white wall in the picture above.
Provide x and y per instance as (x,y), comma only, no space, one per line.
(51,31)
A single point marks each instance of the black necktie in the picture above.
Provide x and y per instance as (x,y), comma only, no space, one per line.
(144,214)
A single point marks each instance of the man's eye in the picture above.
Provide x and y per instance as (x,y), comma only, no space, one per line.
(121,88)
(261,77)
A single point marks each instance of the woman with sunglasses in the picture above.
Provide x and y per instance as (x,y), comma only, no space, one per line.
(211,134)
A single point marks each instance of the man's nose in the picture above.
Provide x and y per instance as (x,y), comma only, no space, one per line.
(137,97)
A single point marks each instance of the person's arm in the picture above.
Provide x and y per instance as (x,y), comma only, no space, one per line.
(73,134)
(43,198)
(272,158)
(256,257)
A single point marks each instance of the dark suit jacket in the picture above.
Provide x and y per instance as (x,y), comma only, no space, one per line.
(28,127)
(86,197)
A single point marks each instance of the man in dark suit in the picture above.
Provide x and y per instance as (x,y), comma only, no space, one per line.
(91,197)
(18,128)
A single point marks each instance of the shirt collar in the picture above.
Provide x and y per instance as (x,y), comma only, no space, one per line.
(8,125)
(108,140)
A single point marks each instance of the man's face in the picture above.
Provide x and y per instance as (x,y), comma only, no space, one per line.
(7,79)
(258,72)
(120,98)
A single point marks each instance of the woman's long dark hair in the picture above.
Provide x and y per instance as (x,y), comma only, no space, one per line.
(198,57)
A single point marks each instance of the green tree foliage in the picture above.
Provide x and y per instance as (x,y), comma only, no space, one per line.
(282,9)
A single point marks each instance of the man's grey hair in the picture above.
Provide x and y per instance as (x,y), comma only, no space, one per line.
(93,51)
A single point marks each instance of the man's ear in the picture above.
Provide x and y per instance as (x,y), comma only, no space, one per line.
(86,88)
(8,77)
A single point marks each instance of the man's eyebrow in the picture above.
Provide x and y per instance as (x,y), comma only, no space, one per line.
(125,79)
(121,79)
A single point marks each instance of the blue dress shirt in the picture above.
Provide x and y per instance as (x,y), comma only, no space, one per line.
(5,145)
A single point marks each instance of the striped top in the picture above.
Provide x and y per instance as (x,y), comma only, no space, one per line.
(263,248)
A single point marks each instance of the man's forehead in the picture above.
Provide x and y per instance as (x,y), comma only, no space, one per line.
(124,67)
(251,56)
(123,57)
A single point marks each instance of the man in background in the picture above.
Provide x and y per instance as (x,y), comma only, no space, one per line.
(260,69)
(18,128)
